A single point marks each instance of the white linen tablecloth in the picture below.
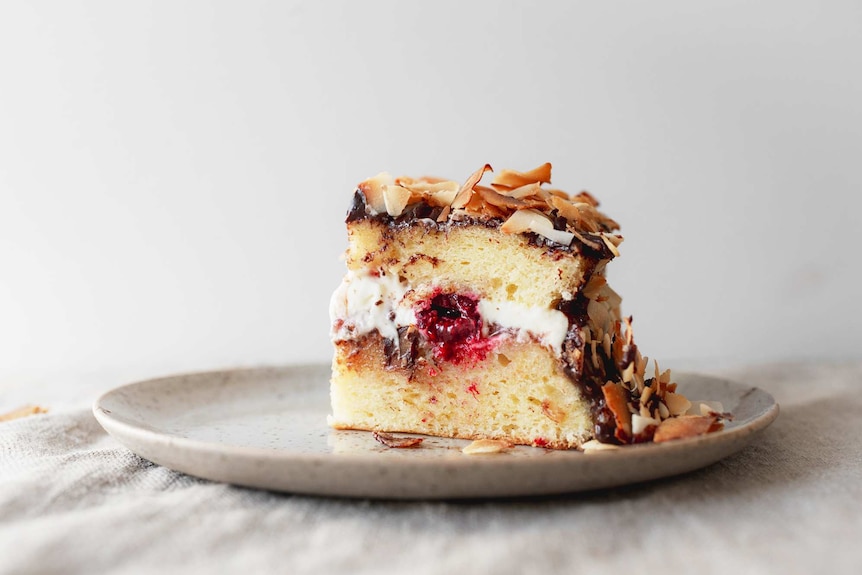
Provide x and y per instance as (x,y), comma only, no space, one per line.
(72,500)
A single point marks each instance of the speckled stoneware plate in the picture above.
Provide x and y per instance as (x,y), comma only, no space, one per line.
(266,428)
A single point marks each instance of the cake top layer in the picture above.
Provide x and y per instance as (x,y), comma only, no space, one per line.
(517,202)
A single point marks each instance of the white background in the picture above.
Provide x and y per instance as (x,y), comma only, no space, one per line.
(174,175)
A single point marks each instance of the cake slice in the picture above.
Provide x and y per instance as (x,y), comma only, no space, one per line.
(483,312)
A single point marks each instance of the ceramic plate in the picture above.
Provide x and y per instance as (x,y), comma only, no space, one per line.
(266,428)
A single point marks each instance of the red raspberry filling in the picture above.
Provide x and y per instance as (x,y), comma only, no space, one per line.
(452,325)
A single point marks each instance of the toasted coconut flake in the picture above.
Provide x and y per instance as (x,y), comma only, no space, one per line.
(439,193)
(705,408)
(629,372)
(395,198)
(24,411)
(585,240)
(645,394)
(477,206)
(536,203)
(466,192)
(677,404)
(618,355)
(663,411)
(529,220)
(436,193)
(599,334)
(639,380)
(566,237)
(372,189)
(499,200)
(512,179)
(594,286)
(598,314)
(521,221)
(607,223)
(544,195)
(611,245)
(522,191)
(589,214)
(640,423)
(428,187)
(450,186)
(485,446)
(420,183)
(390,440)
(686,426)
(442,197)
(642,362)
(606,344)
(586,197)
(607,293)
(444,215)
(571,212)
(616,239)
(594,446)
(616,398)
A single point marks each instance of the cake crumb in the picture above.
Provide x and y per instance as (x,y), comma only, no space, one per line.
(686,426)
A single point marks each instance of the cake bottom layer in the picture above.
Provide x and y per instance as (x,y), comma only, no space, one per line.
(518,392)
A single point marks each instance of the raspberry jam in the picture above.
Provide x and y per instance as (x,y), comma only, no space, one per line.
(452,325)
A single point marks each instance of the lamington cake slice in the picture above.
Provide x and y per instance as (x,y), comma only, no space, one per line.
(483,312)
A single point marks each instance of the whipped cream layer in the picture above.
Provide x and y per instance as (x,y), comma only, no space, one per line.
(367,301)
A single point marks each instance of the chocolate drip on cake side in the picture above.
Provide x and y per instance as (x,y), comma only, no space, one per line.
(592,368)
(579,364)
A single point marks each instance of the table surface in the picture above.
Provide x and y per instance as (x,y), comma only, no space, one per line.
(72,500)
